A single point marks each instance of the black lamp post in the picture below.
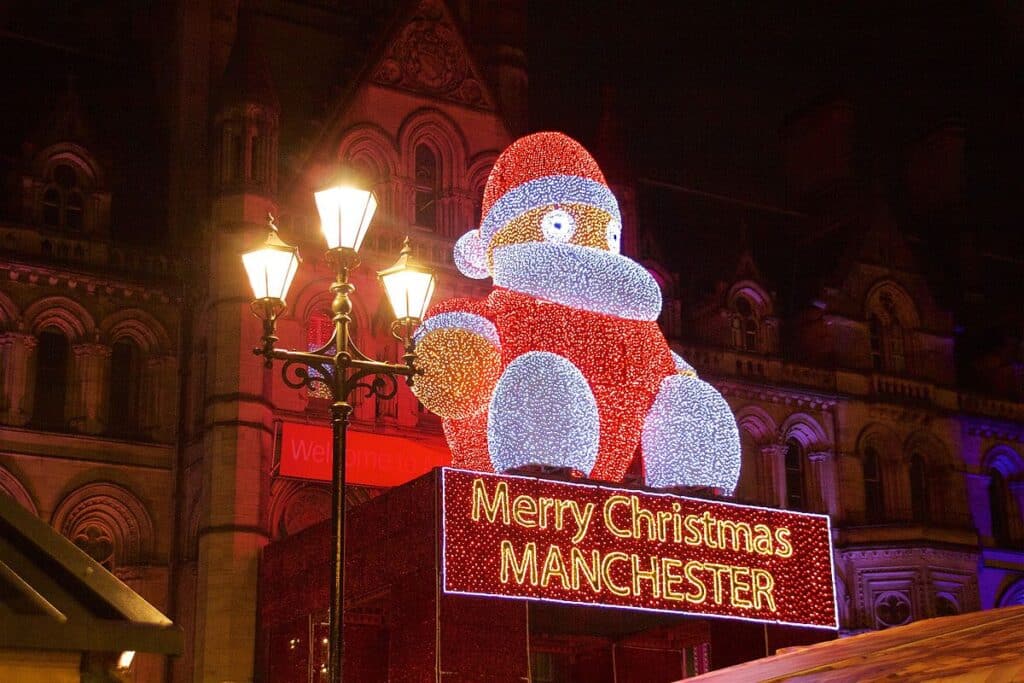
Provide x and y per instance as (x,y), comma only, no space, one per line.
(345,215)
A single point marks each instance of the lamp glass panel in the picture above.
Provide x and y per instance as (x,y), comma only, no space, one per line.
(270,272)
(345,215)
(409,292)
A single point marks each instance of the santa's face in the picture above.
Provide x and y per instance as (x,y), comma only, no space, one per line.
(567,223)
(568,253)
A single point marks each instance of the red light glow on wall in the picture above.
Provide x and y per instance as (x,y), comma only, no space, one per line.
(528,538)
(371,459)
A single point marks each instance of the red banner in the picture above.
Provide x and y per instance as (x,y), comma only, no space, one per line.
(528,538)
(370,459)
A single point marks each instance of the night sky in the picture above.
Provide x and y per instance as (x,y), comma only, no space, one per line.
(703,87)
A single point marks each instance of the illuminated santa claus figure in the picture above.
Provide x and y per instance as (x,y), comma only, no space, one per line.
(563,365)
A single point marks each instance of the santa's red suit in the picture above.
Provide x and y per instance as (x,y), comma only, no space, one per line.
(563,364)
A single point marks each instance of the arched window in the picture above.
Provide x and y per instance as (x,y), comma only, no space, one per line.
(886,336)
(51,208)
(874,503)
(428,179)
(998,498)
(744,325)
(125,380)
(795,494)
(62,204)
(51,383)
(319,329)
(875,333)
(919,488)
(897,357)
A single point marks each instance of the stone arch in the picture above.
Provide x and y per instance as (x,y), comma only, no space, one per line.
(313,296)
(756,422)
(139,326)
(442,135)
(10,316)
(1005,460)
(1012,594)
(902,306)
(63,313)
(297,505)
(762,302)
(104,510)
(476,180)
(71,154)
(370,143)
(805,430)
(883,438)
(12,486)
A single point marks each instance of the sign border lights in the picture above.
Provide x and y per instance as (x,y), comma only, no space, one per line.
(527,538)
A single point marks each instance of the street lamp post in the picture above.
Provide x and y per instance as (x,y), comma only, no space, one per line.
(345,215)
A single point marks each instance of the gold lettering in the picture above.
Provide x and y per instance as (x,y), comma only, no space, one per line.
(612,502)
(554,565)
(740,583)
(702,592)
(729,534)
(785,548)
(646,515)
(591,571)
(491,507)
(762,540)
(764,583)
(670,580)
(583,519)
(693,536)
(649,575)
(606,570)
(524,507)
(716,578)
(520,570)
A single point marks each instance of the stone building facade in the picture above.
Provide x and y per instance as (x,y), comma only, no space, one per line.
(134,417)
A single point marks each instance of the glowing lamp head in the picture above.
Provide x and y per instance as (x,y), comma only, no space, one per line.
(271,268)
(408,285)
(345,215)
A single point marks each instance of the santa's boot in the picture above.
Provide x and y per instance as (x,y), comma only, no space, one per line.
(690,439)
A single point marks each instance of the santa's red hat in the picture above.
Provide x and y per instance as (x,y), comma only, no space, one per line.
(537,170)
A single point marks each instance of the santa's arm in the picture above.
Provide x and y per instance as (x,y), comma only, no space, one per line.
(459,354)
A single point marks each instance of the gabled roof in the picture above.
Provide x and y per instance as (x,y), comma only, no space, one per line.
(55,597)
(977,646)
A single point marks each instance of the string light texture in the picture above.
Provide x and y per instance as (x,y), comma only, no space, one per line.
(704,557)
(550,239)
(689,416)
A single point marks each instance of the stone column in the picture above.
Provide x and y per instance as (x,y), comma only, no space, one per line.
(1016,506)
(977,499)
(157,393)
(90,374)
(822,480)
(896,490)
(773,481)
(17,354)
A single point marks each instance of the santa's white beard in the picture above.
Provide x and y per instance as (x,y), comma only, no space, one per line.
(581,277)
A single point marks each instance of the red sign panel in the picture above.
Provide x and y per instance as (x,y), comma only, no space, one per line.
(527,538)
(370,459)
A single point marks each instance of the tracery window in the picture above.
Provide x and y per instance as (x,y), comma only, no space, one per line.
(874,503)
(919,488)
(319,329)
(62,202)
(51,382)
(124,382)
(428,186)
(887,338)
(744,325)
(795,479)
(892,609)
(999,509)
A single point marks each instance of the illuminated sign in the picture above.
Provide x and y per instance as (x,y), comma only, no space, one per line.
(527,538)
(370,459)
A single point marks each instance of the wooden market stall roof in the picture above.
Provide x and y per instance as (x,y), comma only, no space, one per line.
(977,646)
(55,597)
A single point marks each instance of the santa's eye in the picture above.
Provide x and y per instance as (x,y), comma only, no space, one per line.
(558,225)
(614,234)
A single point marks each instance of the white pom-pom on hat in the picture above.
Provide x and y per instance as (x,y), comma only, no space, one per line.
(471,255)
